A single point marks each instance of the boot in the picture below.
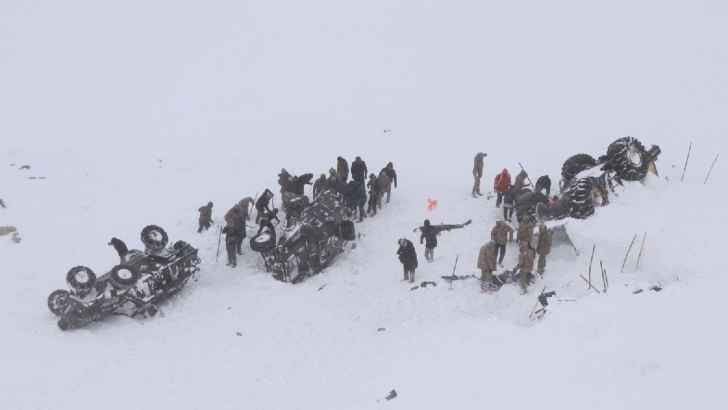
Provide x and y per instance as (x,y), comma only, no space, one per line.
(478,192)
(406,276)
(412,278)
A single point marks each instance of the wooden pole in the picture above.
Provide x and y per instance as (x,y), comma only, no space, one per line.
(686,162)
(590,262)
(604,279)
(628,249)
(529,179)
(590,285)
(640,255)
(452,278)
(218,245)
(537,302)
(711,170)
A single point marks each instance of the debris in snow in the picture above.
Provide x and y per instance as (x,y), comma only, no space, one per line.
(25,167)
(381,329)
(322,286)
(16,238)
(2,204)
(4,230)
(238,333)
(390,396)
(386,131)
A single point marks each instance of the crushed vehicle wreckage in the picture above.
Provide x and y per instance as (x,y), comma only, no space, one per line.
(315,233)
(132,288)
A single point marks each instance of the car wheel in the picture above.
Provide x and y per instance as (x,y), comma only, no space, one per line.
(262,242)
(123,277)
(154,238)
(81,279)
(57,301)
(628,159)
(584,195)
(574,165)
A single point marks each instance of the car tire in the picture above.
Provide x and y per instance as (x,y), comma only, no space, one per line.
(57,301)
(123,277)
(574,165)
(628,159)
(154,238)
(585,195)
(81,279)
(262,242)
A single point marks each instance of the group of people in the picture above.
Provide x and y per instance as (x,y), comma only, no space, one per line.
(507,193)
(354,192)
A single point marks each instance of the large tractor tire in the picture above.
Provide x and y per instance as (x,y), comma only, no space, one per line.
(574,165)
(154,238)
(262,242)
(57,301)
(81,279)
(628,159)
(123,277)
(585,195)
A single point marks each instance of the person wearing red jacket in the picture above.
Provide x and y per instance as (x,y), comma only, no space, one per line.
(501,184)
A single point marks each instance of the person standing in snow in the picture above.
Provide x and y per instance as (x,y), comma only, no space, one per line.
(520,180)
(375,188)
(525,230)
(477,173)
(525,265)
(408,258)
(205,217)
(430,233)
(543,248)
(266,222)
(385,184)
(284,179)
(500,184)
(359,170)
(392,174)
(543,183)
(120,247)
(232,237)
(501,234)
(342,168)
(509,203)
(486,264)
(361,195)
(234,212)
(261,205)
(319,186)
(239,224)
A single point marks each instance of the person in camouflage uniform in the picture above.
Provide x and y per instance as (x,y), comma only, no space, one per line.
(525,265)
(477,173)
(320,186)
(235,212)
(342,168)
(501,234)
(486,264)
(543,248)
(525,230)
(386,184)
(520,180)
(205,217)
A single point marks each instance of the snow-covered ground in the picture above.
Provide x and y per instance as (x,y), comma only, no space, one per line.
(139,113)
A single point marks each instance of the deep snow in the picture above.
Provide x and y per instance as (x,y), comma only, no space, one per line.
(139,113)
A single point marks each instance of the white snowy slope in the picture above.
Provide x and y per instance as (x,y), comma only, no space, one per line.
(138,113)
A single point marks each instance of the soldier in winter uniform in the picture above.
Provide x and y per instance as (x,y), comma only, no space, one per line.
(501,234)
(509,203)
(351,198)
(543,183)
(386,185)
(245,206)
(486,264)
(283,179)
(392,174)
(361,195)
(232,237)
(408,258)
(342,168)
(500,184)
(334,179)
(525,230)
(261,205)
(525,264)
(375,189)
(205,217)
(320,186)
(544,247)
(239,224)
(477,173)
(520,180)
(359,170)
(120,247)
(234,212)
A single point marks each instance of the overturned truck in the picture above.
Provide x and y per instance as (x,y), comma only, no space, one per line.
(315,233)
(132,288)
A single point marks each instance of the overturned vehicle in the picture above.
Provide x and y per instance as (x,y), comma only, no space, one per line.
(586,182)
(132,288)
(315,233)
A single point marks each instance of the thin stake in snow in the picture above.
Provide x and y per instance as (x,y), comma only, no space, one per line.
(218,245)
(711,170)
(640,255)
(628,249)
(537,302)
(453,271)
(590,285)
(604,277)
(529,179)
(686,162)
(590,263)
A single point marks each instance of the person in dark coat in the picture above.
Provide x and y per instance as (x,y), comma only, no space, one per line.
(359,170)
(351,198)
(266,222)
(509,203)
(375,187)
(543,183)
(392,174)
(120,247)
(301,183)
(261,205)
(408,258)
(342,168)
(320,186)
(361,195)
(205,217)
(232,237)
(239,224)
(430,233)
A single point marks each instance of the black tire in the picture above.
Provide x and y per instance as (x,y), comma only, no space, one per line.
(179,245)
(123,277)
(627,158)
(154,238)
(345,230)
(574,165)
(262,242)
(584,195)
(57,301)
(128,255)
(81,279)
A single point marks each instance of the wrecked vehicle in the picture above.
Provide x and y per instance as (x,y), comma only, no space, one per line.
(583,189)
(131,288)
(310,241)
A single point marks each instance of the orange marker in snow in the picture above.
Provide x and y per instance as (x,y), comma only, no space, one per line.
(431,204)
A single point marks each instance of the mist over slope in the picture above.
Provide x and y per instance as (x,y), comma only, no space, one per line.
(139,113)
